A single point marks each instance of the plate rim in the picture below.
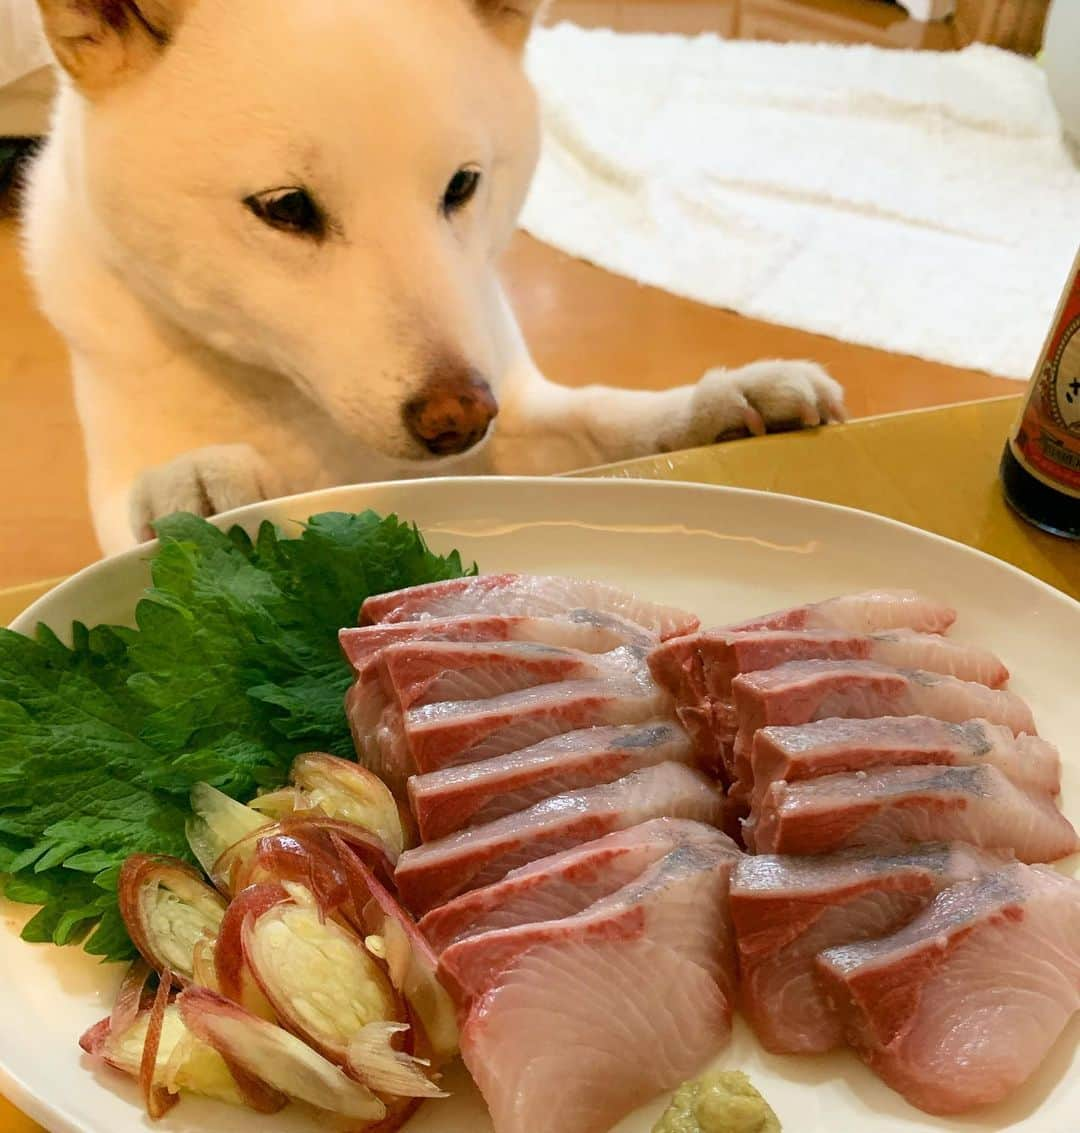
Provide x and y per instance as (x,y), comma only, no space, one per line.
(53,1114)
(28,618)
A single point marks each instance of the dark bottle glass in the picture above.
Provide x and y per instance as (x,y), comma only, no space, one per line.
(1040,468)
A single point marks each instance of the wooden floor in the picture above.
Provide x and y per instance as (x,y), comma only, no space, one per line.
(584,324)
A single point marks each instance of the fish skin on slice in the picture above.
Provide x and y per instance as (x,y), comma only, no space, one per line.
(800,692)
(958,1009)
(416,674)
(588,630)
(701,666)
(893,807)
(433,736)
(559,885)
(698,670)
(470,795)
(869,612)
(658,904)
(524,594)
(833,746)
(788,909)
(433,672)
(601,1011)
(437,872)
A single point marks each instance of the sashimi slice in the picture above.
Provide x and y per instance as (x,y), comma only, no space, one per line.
(828,747)
(437,872)
(456,797)
(575,1036)
(559,885)
(886,809)
(416,674)
(588,630)
(803,691)
(959,1008)
(523,594)
(701,666)
(600,1012)
(456,732)
(679,902)
(432,672)
(787,909)
(869,612)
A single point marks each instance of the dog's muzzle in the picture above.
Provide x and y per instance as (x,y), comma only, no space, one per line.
(452,413)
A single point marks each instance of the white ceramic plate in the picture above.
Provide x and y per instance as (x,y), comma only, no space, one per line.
(723,553)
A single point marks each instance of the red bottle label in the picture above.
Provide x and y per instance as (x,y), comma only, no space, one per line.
(1046,440)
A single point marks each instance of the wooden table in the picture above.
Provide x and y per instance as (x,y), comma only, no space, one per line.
(936,469)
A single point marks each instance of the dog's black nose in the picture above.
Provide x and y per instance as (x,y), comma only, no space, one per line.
(452,412)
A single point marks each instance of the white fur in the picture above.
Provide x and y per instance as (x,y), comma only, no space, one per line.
(218,361)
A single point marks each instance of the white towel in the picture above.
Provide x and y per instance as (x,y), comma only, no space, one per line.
(918,202)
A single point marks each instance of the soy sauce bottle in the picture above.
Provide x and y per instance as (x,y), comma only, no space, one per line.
(1040,469)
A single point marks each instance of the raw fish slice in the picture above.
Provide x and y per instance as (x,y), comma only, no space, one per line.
(701,666)
(524,594)
(559,885)
(869,612)
(365,704)
(436,873)
(419,673)
(456,797)
(886,809)
(936,654)
(433,672)
(578,1035)
(456,732)
(803,691)
(959,1008)
(365,708)
(828,747)
(587,630)
(678,902)
(786,910)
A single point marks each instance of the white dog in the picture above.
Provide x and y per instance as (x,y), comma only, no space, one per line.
(269,231)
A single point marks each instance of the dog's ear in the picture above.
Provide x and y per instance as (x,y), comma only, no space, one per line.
(511,20)
(101,42)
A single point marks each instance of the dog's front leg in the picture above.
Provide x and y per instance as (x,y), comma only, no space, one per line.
(207,481)
(546,428)
(160,440)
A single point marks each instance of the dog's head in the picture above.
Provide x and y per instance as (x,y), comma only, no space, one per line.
(318,188)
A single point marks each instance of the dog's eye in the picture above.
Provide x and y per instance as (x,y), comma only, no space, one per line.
(461,190)
(291,210)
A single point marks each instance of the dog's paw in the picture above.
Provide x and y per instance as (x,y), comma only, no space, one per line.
(206,482)
(761,398)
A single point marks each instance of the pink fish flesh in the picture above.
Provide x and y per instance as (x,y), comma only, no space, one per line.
(415,674)
(559,885)
(827,747)
(701,666)
(869,612)
(588,630)
(433,672)
(598,1013)
(647,905)
(439,871)
(475,793)
(959,1009)
(786,910)
(523,594)
(803,691)
(434,736)
(886,809)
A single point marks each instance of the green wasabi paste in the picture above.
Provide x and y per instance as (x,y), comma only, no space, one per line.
(718,1102)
